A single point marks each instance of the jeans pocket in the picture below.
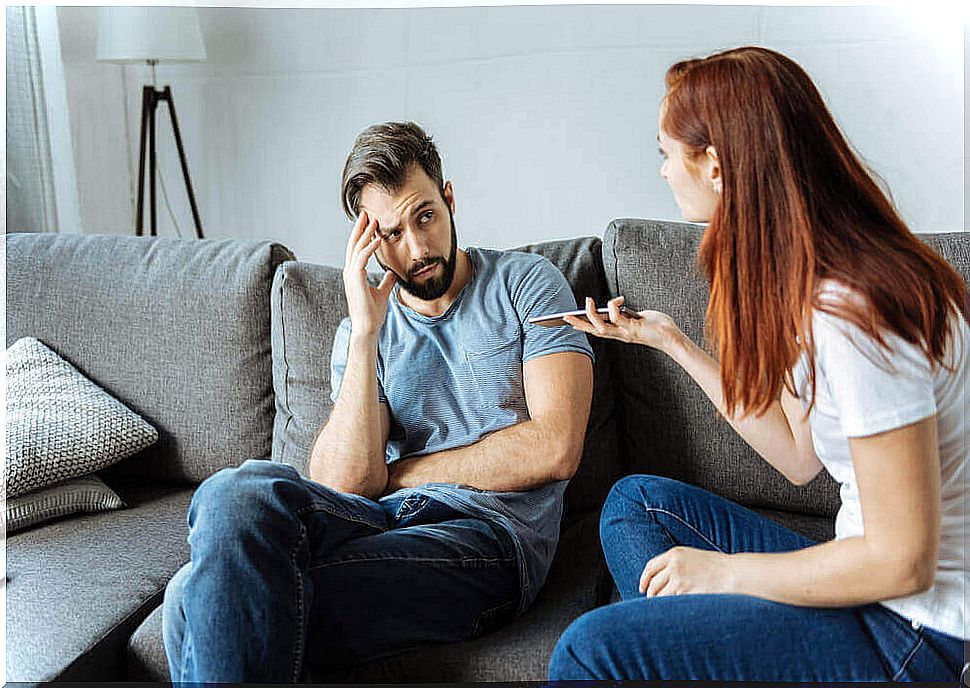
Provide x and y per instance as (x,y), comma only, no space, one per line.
(498,373)
(495,618)
(411,505)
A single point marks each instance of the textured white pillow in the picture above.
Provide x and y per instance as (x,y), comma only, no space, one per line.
(60,425)
(70,497)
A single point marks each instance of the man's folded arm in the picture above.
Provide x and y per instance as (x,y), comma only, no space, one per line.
(348,453)
(545,448)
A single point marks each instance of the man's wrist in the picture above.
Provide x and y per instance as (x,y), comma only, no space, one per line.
(362,336)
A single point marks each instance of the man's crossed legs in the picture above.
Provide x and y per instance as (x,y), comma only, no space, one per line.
(286,571)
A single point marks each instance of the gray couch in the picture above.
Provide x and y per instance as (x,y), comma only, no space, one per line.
(224,347)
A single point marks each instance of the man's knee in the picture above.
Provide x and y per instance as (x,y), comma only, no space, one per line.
(235,500)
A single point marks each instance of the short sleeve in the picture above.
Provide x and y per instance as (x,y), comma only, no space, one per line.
(338,361)
(543,290)
(872,390)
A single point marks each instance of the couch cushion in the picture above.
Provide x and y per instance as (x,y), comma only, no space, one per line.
(670,428)
(176,329)
(580,260)
(76,589)
(308,303)
(89,493)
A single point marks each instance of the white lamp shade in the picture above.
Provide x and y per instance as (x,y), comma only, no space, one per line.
(141,34)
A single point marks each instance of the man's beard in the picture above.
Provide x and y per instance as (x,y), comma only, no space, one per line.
(433,287)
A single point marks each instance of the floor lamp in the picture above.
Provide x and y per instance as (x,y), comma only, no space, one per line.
(150,35)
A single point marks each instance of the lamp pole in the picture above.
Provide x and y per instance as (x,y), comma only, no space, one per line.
(150,98)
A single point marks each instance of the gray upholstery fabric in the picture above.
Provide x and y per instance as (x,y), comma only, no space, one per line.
(146,659)
(307,305)
(178,330)
(77,588)
(667,426)
(954,247)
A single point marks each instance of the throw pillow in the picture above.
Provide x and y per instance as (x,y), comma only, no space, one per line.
(60,425)
(70,497)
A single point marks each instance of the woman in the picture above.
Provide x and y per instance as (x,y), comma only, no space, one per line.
(841,343)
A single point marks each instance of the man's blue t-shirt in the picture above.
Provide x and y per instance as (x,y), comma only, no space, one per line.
(450,380)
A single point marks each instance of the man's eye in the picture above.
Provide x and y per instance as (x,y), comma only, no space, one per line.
(392,235)
(426,217)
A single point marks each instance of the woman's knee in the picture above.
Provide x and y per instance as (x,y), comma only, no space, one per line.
(583,652)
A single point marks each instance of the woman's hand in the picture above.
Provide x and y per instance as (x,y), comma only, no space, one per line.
(687,571)
(367,305)
(651,328)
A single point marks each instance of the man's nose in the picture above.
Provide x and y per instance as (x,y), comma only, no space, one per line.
(417,246)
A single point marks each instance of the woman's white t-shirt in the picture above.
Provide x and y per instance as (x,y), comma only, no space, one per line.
(862,390)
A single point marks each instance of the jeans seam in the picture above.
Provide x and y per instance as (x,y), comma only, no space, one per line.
(298,654)
(302,511)
(424,560)
(688,525)
(477,628)
(908,659)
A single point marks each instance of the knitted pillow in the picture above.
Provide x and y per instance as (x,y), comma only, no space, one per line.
(60,425)
(70,497)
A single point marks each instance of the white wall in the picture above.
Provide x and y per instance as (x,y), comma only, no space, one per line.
(545,116)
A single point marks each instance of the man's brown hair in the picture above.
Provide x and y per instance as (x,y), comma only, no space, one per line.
(383,154)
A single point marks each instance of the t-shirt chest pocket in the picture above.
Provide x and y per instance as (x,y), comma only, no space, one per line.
(496,369)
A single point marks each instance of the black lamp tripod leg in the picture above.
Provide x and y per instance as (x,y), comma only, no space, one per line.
(167,95)
(152,166)
(146,105)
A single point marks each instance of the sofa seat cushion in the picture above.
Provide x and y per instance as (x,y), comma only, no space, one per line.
(77,588)
(578,581)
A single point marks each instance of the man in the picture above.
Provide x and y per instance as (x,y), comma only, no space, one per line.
(432,508)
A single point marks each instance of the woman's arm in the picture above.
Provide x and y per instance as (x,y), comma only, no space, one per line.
(898,473)
(781,436)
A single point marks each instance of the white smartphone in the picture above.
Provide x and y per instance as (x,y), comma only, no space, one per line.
(556,319)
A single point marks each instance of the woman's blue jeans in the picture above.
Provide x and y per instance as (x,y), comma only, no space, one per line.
(285,571)
(729,637)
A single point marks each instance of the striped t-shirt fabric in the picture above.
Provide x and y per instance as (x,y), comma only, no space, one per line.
(452,379)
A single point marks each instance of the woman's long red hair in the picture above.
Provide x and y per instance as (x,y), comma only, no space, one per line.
(797,206)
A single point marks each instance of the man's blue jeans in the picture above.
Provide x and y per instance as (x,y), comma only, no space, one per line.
(729,637)
(285,571)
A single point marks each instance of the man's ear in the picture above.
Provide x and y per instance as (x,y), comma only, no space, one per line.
(449,195)
(713,163)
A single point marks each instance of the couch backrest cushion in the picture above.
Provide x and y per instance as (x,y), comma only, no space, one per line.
(668,426)
(176,329)
(580,260)
(308,303)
